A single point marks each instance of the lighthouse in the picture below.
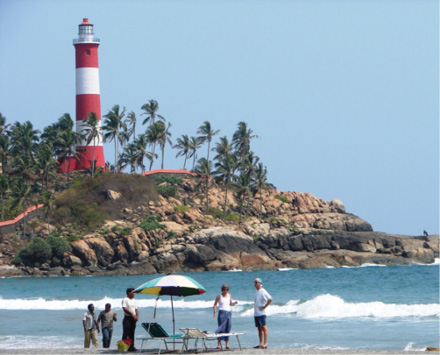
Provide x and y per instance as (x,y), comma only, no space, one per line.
(87,93)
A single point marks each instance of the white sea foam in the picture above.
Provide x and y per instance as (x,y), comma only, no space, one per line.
(164,302)
(334,307)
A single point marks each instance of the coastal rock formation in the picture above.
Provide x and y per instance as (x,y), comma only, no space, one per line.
(296,230)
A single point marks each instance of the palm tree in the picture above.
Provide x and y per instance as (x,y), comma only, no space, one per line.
(223,148)
(24,139)
(241,140)
(261,182)
(128,157)
(206,135)
(164,138)
(151,111)
(48,204)
(65,148)
(112,128)
(194,145)
(242,183)
(4,186)
(4,152)
(153,134)
(185,148)
(3,126)
(47,165)
(204,168)
(92,131)
(131,121)
(21,195)
(225,169)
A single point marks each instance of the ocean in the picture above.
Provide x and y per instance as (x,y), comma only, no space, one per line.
(369,307)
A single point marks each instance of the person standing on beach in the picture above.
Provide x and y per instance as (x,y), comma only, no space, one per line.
(107,317)
(131,316)
(224,319)
(261,302)
(91,327)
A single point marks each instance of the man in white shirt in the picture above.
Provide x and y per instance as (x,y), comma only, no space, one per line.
(131,316)
(262,301)
(91,327)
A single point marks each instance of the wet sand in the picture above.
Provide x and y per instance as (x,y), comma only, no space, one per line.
(213,351)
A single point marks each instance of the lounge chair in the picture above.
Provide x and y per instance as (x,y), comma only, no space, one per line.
(157,332)
(197,334)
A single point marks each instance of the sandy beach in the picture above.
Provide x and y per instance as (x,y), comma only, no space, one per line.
(214,351)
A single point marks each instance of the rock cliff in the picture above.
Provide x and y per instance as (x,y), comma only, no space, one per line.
(296,230)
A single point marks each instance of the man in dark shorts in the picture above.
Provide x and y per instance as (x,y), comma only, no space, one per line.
(262,300)
(131,316)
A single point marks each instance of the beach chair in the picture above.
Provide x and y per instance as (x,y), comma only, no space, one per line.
(197,334)
(156,332)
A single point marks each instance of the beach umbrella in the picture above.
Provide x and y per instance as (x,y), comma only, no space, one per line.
(171,285)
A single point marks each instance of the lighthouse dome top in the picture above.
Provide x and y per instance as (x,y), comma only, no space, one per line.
(85,33)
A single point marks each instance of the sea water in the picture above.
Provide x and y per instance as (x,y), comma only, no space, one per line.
(370,307)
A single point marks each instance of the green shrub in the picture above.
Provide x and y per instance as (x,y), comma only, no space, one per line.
(282,198)
(167,190)
(59,246)
(36,253)
(171,235)
(125,231)
(73,238)
(152,223)
(172,180)
(181,208)
(115,229)
(230,216)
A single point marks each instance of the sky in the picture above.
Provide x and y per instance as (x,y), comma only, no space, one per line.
(344,95)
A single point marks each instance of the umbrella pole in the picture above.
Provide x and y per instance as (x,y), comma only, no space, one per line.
(174,323)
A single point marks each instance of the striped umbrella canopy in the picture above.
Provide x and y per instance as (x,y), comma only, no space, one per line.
(171,285)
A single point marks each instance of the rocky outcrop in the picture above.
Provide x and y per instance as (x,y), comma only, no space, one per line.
(296,230)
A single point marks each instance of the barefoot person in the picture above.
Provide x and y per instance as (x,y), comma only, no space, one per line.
(262,301)
(131,317)
(91,327)
(107,318)
(224,319)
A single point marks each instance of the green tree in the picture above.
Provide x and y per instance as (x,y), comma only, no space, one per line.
(131,122)
(47,165)
(261,182)
(113,128)
(150,110)
(241,140)
(225,168)
(223,148)
(185,148)
(66,150)
(21,195)
(207,133)
(204,168)
(194,145)
(164,138)
(4,186)
(92,131)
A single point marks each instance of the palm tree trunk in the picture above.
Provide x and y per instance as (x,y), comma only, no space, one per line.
(226,200)
(163,155)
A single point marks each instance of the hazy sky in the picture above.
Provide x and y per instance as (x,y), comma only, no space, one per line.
(344,94)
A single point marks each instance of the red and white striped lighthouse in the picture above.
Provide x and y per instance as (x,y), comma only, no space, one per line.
(87,91)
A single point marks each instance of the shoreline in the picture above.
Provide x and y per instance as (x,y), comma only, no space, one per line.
(269,351)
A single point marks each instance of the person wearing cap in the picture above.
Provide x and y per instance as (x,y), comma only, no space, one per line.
(224,319)
(262,300)
(131,316)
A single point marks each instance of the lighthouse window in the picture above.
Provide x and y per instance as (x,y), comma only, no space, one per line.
(87,51)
